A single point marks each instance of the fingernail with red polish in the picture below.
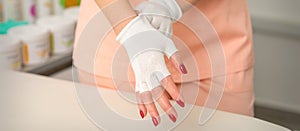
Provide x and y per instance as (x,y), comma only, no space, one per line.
(179,102)
(183,69)
(142,114)
(172,117)
(155,121)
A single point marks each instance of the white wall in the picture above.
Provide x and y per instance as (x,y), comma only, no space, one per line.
(276,26)
(285,10)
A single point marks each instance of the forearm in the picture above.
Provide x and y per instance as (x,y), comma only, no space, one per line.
(118,12)
(185,5)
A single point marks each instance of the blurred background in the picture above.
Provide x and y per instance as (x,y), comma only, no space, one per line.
(276,28)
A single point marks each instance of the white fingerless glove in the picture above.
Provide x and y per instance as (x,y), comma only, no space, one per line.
(146,48)
(160,14)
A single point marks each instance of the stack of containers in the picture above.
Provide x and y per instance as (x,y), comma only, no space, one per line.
(35,43)
(10,53)
(29,10)
(46,34)
(62,33)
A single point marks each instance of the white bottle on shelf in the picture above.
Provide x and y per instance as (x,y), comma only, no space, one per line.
(44,8)
(29,10)
(1,10)
(11,10)
(58,7)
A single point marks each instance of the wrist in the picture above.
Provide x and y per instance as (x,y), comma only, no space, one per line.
(119,27)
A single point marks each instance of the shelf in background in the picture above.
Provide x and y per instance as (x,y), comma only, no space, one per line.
(53,64)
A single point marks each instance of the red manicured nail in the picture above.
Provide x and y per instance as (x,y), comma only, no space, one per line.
(154,120)
(142,114)
(172,117)
(183,69)
(180,102)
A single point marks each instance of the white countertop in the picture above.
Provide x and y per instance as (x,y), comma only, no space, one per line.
(36,103)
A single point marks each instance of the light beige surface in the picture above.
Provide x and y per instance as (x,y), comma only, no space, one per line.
(30,102)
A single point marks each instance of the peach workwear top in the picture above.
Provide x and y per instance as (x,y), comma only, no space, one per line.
(230,19)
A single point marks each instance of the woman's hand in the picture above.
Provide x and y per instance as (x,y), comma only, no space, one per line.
(146,48)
